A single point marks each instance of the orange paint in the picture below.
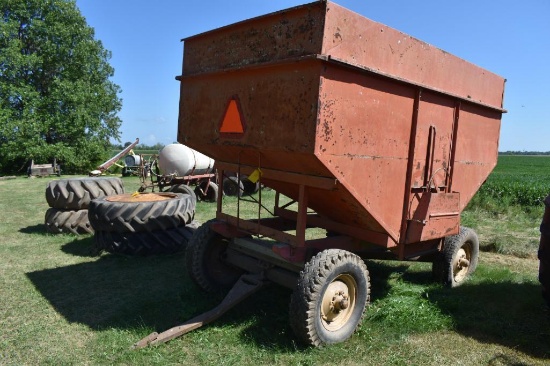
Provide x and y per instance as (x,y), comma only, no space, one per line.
(232,120)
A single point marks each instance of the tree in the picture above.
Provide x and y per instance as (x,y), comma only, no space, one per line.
(56,99)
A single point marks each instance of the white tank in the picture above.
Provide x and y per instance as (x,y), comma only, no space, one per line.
(181,160)
(132,160)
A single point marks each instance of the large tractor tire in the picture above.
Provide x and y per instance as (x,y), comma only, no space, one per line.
(67,221)
(207,191)
(129,213)
(459,258)
(205,261)
(145,243)
(330,298)
(544,253)
(76,193)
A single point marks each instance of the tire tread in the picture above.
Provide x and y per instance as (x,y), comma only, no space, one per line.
(76,193)
(124,217)
(67,221)
(308,291)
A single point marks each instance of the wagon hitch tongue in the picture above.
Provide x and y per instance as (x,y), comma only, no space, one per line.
(244,287)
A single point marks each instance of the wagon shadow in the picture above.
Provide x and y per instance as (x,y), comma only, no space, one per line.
(155,293)
(505,313)
(125,292)
(121,292)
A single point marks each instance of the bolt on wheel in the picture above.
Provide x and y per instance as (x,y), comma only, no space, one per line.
(338,302)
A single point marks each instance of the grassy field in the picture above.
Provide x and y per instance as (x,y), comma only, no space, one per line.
(60,304)
(507,210)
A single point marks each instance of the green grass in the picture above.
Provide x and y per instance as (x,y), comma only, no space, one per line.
(59,304)
(507,210)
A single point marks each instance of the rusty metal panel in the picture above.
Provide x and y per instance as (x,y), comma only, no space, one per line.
(324,92)
(476,150)
(363,136)
(360,41)
(433,216)
(286,34)
(279,109)
(433,141)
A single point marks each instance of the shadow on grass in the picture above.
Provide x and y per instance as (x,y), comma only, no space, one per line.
(35,229)
(82,247)
(121,292)
(502,311)
(124,292)
(506,313)
(155,292)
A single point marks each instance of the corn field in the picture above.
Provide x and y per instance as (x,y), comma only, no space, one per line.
(517,180)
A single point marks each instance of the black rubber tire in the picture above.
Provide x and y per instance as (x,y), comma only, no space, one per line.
(67,221)
(249,187)
(128,217)
(211,194)
(232,186)
(184,189)
(205,261)
(76,193)
(328,268)
(146,242)
(445,268)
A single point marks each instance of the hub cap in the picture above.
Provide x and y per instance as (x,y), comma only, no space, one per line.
(338,302)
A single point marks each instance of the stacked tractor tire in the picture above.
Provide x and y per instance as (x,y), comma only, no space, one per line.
(69,200)
(134,224)
(143,223)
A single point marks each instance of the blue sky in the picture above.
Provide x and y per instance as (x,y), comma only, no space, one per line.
(509,38)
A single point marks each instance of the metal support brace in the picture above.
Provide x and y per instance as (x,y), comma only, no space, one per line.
(244,287)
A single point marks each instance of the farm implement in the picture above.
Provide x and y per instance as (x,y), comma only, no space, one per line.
(376,138)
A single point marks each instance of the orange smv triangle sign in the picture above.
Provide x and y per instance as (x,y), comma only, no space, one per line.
(232,122)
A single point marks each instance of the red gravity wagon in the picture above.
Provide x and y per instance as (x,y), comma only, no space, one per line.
(376,137)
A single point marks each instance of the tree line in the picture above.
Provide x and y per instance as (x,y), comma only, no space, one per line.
(524,153)
(139,146)
(56,96)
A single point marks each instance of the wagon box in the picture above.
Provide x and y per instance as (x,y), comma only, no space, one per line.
(380,139)
(404,128)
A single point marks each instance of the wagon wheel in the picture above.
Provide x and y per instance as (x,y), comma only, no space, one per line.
(232,186)
(185,189)
(332,293)
(205,263)
(458,259)
(207,191)
(249,187)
